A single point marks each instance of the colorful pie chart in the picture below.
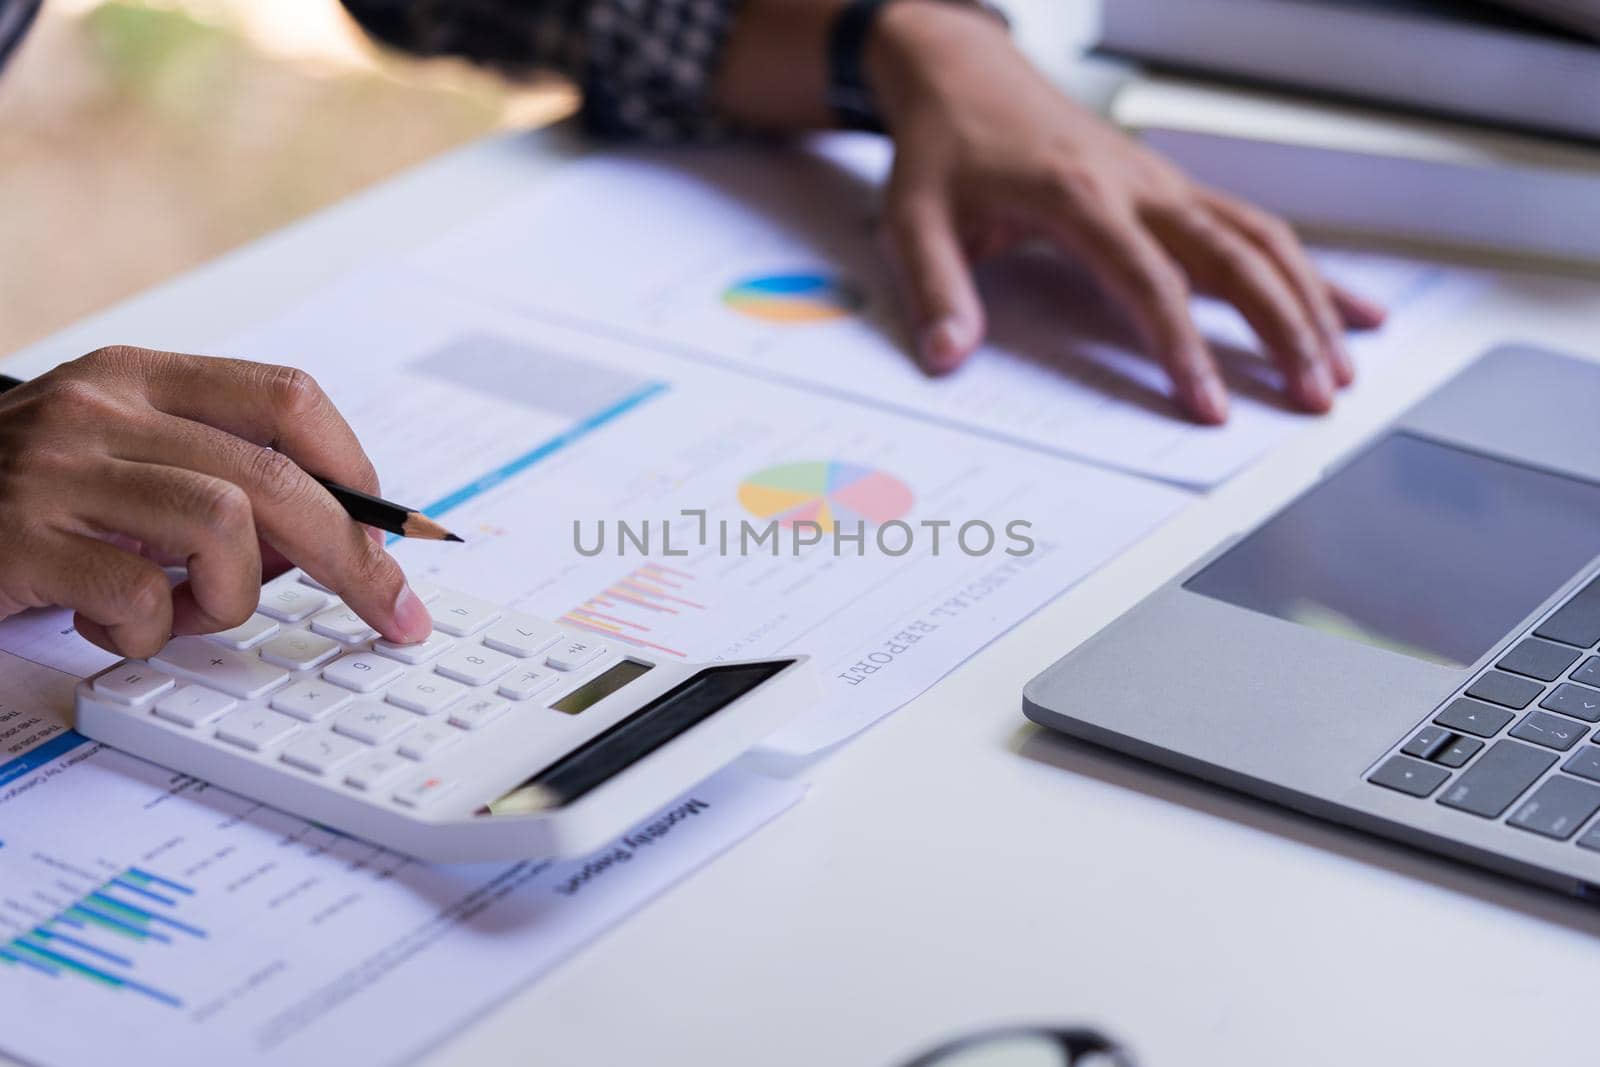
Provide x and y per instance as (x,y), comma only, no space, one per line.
(826,492)
(793,298)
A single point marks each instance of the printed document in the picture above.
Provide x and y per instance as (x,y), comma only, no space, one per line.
(149,918)
(766,261)
(694,513)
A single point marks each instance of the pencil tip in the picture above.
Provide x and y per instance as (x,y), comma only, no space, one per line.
(419,525)
(453,537)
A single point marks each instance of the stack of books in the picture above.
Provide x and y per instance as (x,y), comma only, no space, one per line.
(1430,120)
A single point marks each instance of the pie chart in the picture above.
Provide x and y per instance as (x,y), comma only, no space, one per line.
(825,492)
(793,298)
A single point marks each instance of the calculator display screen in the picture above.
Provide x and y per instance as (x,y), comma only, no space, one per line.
(635,737)
(597,689)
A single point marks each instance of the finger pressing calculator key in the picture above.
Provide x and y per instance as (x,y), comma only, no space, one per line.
(501,736)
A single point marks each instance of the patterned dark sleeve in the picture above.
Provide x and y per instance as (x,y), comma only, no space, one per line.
(645,66)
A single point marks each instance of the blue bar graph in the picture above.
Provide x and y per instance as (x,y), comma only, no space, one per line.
(134,887)
(100,936)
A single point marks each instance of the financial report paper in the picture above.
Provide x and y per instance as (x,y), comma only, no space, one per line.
(149,918)
(766,261)
(543,443)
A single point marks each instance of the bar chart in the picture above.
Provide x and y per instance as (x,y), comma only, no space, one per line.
(102,934)
(625,610)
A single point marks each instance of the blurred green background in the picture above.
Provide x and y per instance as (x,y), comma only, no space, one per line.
(140,137)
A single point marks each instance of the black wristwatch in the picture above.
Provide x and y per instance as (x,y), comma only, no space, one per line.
(848,93)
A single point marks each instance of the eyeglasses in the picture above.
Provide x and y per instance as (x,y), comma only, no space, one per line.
(1027,1046)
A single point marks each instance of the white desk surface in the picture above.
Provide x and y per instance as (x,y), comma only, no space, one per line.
(956,867)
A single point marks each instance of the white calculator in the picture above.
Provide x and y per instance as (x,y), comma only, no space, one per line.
(500,737)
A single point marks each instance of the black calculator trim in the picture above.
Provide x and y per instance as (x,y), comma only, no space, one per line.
(659,722)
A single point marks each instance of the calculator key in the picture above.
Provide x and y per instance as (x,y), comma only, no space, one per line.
(363,672)
(132,683)
(1575,700)
(300,650)
(365,774)
(248,634)
(1409,776)
(342,624)
(1539,659)
(1551,731)
(1499,688)
(319,752)
(255,728)
(306,579)
(420,652)
(477,713)
(522,635)
(427,740)
(1585,763)
(425,693)
(474,664)
(1474,717)
(291,601)
(1577,622)
(195,706)
(461,616)
(426,591)
(1557,808)
(311,701)
(526,682)
(423,791)
(1589,673)
(239,674)
(1496,778)
(574,654)
(376,724)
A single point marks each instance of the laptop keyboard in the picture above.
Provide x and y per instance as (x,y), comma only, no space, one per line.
(1521,737)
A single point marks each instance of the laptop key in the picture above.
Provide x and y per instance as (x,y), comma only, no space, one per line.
(1409,776)
(1473,717)
(1576,701)
(1498,777)
(1429,740)
(1498,687)
(1457,752)
(1578,620)
(1589,673)
(1539,659)
(1557,808)
(1551,731)
(1585,763)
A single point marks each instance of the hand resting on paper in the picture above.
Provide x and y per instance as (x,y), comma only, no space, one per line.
(126,459)
(990,155)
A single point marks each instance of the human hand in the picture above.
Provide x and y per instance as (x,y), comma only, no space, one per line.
(988,154)
(126,456)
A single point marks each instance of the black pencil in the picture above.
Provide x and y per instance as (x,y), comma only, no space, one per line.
(394,518)
(362,507)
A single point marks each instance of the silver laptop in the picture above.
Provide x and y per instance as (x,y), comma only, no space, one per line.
(1410,647)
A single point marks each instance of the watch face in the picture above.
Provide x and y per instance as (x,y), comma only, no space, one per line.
(15,17)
